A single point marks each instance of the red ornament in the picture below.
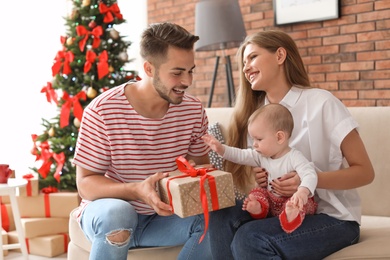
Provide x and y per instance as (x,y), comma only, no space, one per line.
(92,24)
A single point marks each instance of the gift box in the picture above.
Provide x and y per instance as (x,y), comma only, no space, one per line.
(57,204)
(5,199)
(48,246)
(4,237)
(183,191)
(36,227)
(7,217)
(32,187)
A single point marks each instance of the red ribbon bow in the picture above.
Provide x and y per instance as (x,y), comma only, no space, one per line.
(51,94)
(184,166)
(66,107)
(102,64)
(90,58)
(60,159)
(96,33)
(109,11)
(62,59)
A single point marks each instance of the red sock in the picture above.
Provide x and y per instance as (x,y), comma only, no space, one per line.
(289,227)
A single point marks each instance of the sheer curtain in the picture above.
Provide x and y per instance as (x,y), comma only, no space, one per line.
(29,42)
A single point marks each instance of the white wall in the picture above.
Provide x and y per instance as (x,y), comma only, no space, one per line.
(29,42)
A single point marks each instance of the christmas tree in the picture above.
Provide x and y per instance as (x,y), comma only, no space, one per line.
(91,61)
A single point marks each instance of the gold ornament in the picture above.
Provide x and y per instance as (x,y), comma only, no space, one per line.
(76,122)
(111,69)
(52,132)
(69,41)
(91,92)
(123,56)
(86,2)
(114,34)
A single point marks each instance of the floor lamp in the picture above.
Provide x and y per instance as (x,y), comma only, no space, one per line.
(220,26)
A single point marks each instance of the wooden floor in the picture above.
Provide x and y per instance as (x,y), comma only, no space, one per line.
(18,256)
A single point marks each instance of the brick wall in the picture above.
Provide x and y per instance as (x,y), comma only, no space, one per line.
(349,56)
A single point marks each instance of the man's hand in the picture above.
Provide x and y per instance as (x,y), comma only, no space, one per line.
(286,185)
(147,192)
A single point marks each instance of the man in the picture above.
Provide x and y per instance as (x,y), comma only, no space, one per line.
(129,138)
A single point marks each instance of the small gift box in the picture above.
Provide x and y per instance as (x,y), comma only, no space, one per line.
(32,187)
(35,227)
(56,204)
(184,189)
(48,246)
(4,237)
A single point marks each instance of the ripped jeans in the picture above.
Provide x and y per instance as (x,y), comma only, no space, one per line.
(110,216)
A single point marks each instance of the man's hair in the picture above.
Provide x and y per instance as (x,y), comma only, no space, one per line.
(277,116)
(159,36)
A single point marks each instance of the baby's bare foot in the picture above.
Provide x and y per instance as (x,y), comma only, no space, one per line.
(252,205)
(292,211)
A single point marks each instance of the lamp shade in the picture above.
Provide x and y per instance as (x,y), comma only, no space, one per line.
(219,25)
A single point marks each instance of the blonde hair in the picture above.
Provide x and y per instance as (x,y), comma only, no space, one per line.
(277,116)
(248,100)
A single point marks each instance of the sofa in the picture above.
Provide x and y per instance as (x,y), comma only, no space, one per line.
(374,125)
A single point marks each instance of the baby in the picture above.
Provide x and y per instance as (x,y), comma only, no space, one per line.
(270,127)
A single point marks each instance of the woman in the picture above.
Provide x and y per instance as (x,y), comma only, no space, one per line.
(272,71)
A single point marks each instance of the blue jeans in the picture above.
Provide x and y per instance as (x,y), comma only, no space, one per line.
(233,235)
(104,216)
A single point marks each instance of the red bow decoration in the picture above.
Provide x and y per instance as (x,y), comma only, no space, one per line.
(102,64)
(109,11)
(96,33)
(66,107)
(62,59)
(60,159)
(49,189)
(51,94)
(45,156)
(28,176)
(184,166)
(90,59)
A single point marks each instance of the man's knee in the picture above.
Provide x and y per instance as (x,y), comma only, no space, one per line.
(118,237)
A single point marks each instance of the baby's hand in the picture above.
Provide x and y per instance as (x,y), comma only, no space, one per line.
(213,143)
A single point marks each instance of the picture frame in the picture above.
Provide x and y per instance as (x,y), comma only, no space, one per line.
(299,11)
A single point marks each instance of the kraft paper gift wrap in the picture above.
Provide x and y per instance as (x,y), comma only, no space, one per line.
(4,237)
(56,204)
(186,192)
(36,227)
(32,187)
(48,246)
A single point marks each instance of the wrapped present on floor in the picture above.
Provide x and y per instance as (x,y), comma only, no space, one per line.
(48,246)
(4,237)
(5,199)
(56,204)
(32,187)
(36,227)
(7,217)
(184,189)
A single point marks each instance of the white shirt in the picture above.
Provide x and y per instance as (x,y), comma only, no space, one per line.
(321,122)
(294,160)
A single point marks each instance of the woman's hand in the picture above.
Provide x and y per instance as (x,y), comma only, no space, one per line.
(261,176)
(286,185)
